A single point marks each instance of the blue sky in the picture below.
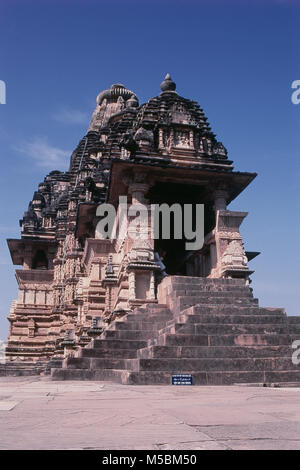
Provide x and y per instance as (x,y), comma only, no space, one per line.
(236,58)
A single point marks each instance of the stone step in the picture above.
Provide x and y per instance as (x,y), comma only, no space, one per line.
(165,378)
(126,364)
(231,310)
(109,375)
(288,375)
(55,362)
(179,340)
(18,370)
(108,353)
(195,294)
(137,325)
(183,303)
(151,307)
(183,365)
(199,290)
(211,298)
(76,363)
(223,329)
(213,351)
(118,344)
(229,319)
(250,340)
(148,316)
(127,334)
(224,340)
(99,363)
(182,280)
(213,378)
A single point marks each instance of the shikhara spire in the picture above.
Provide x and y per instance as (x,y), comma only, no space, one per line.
(120,128)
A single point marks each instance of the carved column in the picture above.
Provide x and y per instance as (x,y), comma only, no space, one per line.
(161,138)
(152,286)
(171,137)
(230,255)
(131,282)
(138,187)
(138,191)
(220,199)
(191,139)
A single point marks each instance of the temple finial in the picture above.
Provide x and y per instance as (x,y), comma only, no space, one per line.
(168,84)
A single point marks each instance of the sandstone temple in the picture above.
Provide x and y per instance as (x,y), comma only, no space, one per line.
(139,309)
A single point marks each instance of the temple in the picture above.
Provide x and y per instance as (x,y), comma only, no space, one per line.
(134,308)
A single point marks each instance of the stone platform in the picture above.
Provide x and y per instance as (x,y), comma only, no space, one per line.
(43,414)
(212,329)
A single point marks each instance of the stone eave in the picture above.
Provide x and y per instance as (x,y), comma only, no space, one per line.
(34,275)
(17,247)
(235,181)
(181,157)
(252,254)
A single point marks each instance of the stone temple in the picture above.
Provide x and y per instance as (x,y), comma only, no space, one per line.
(91,307)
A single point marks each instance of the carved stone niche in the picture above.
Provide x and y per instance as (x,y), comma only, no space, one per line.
(141,267)
(144,137)
(31,328)
(219,150)
(165,138)
(234,258)
(180,115)
(182,139)
(141,252)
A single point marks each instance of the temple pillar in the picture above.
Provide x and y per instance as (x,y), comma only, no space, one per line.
(131,283)
(230,257)
(161,138)
(220,199)
(139,225)
(141,269)
(152,286)
(137,191)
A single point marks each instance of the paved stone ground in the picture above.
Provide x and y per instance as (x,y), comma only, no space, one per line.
(40,414)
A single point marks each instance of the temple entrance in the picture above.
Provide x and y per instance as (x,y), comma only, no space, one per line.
(176,257)
(173,254)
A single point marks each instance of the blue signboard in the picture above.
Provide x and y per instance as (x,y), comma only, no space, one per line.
(182,379)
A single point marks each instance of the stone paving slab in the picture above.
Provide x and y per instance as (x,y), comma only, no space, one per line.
(36,413)
(7,405)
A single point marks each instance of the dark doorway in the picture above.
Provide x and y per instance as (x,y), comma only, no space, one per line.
(172,250)
(40,260)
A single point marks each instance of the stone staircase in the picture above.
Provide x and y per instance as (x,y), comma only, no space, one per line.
(212,329)
(21,369)
(110,357)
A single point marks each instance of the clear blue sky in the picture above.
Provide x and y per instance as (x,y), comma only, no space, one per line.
(236,58)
